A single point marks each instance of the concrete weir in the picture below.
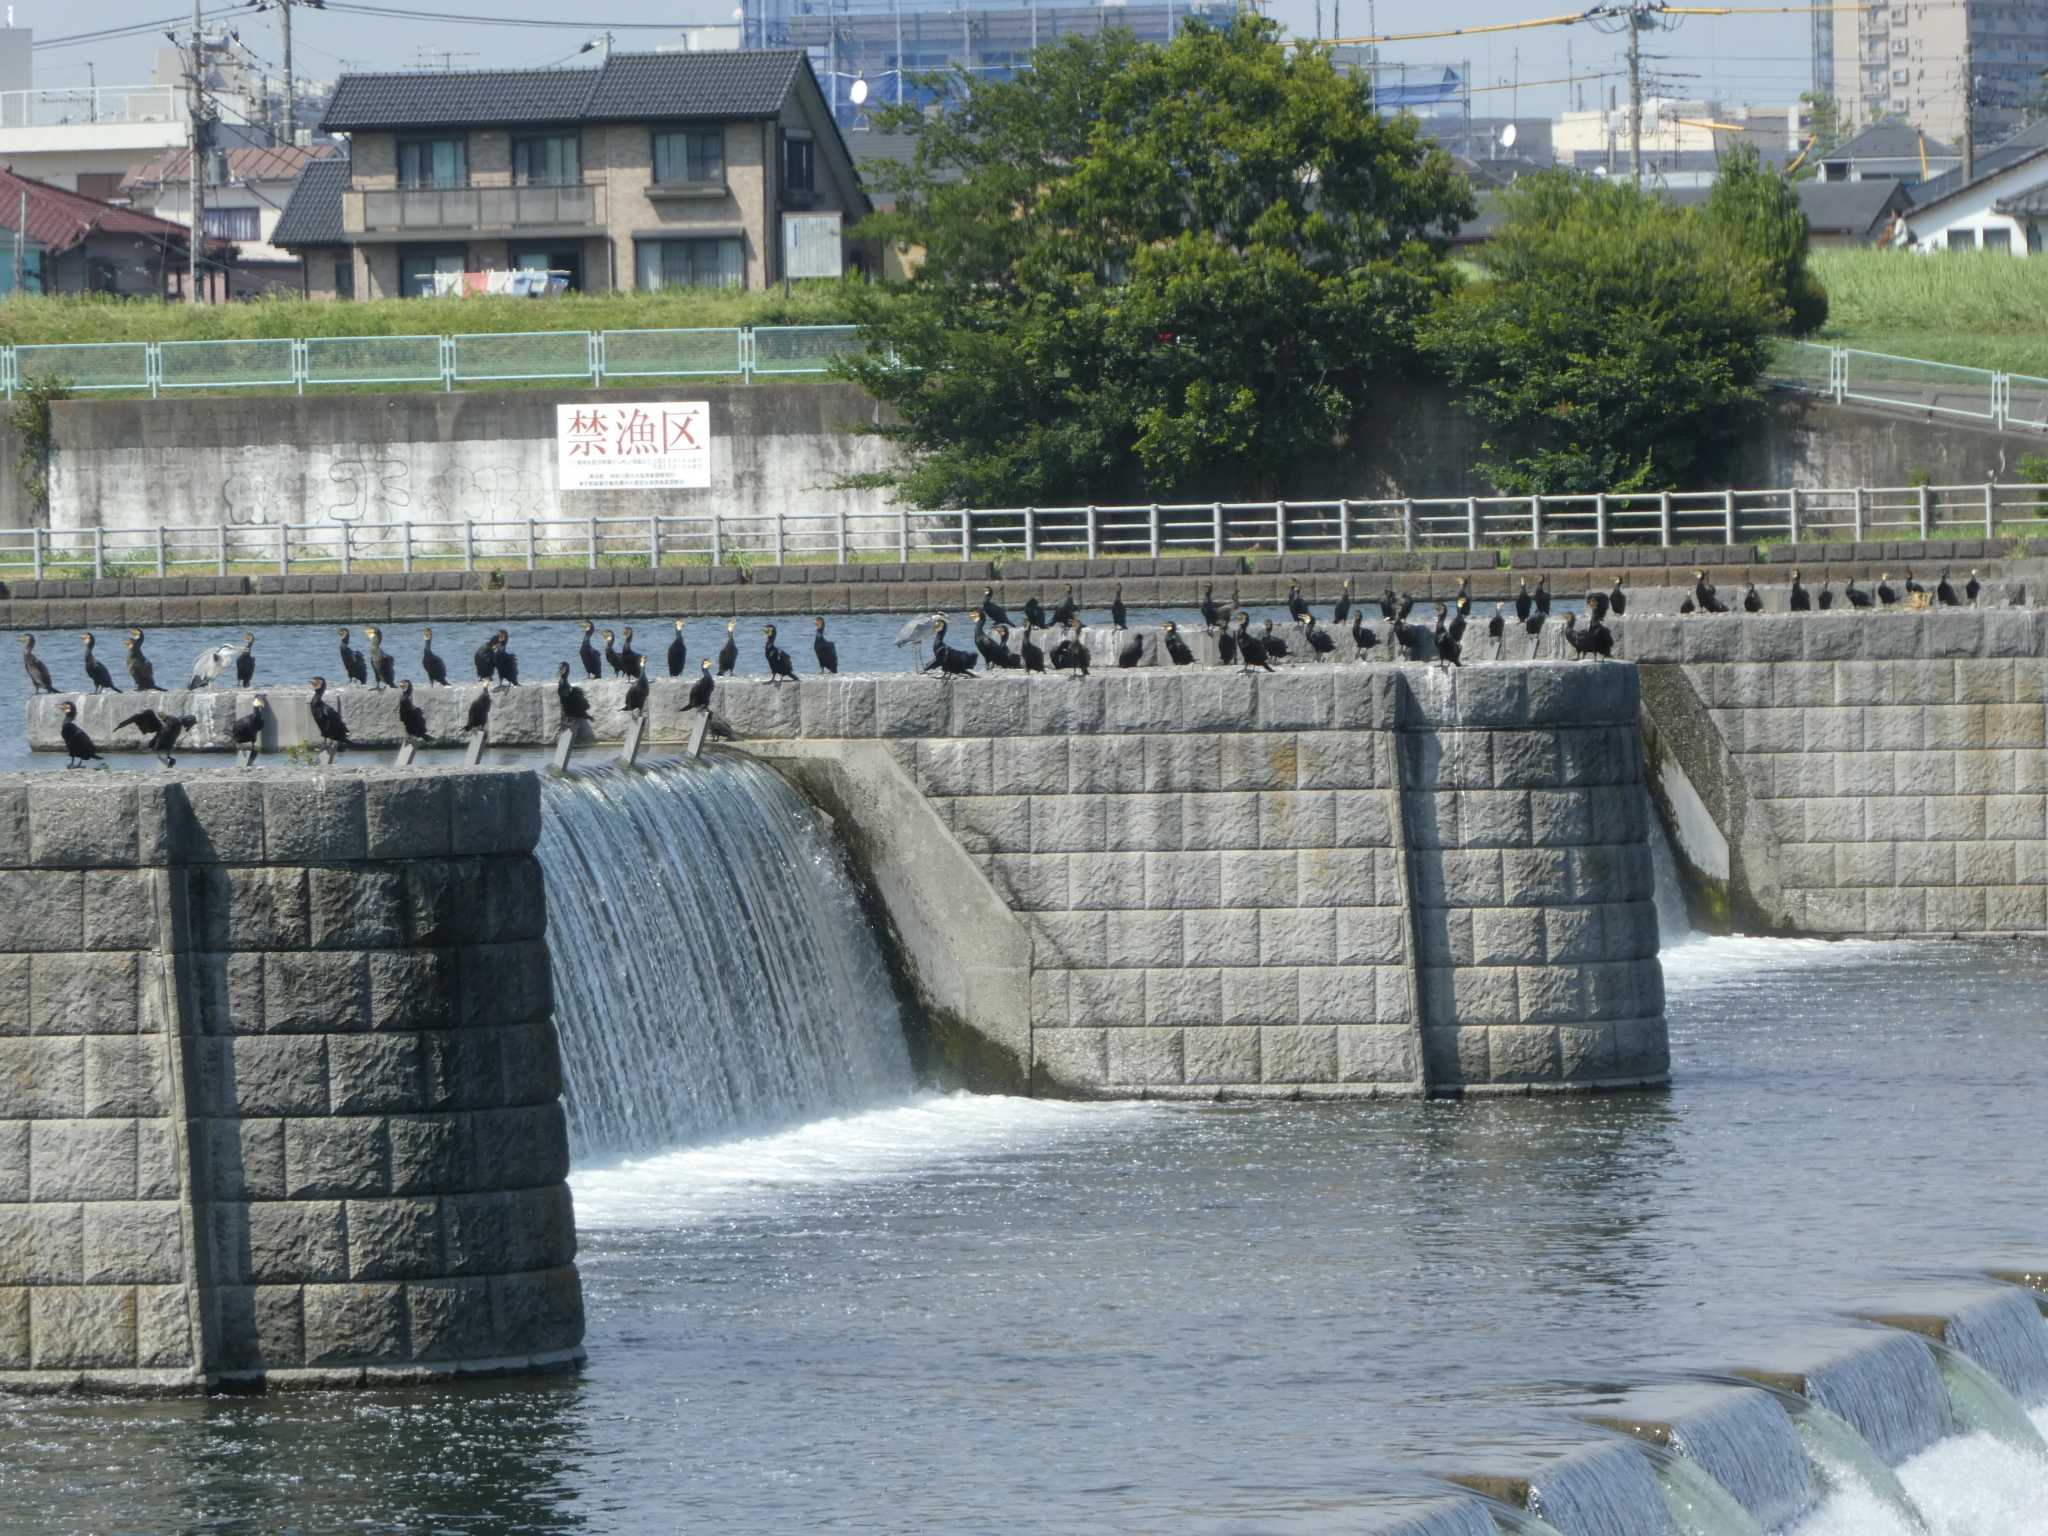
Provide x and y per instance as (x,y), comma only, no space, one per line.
(279,1090)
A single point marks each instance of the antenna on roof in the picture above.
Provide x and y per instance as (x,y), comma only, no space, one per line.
(602,41)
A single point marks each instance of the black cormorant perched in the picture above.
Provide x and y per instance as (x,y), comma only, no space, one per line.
(78,747)
(1913,588)
(1543,595)
(479,711)
(1825,598)
(1594,640)
(410,717)
(1342,611)
(729,653)
(1318,641)
(1523,603)
(997,613)
(635,700)
(1703,592)
(245,661)
(1226,647)
(1119,615)
(1596,604)
(1858,598)
(1004,656)
(383,670)
(700,690)
(1211,614)
(1533,626)
(1408,637)
(162,730)
(611,654)
(1971,588)
(1132,652)
(1463,601)
(1068,612)
(1176,648)
(352,661)
(678,653)
(95,670)
(779,664)
(247,730)
(826,652)
(629,659)
(1362,637)
(140,672)
(1389,607)
(1273,644)
(1297,605)
(1885,595)
(1945,594)
(1034,612)
(326,718)
(1496,630)
(1251,649)
(435,668)
(32,664)
(1449,645)
(1687,605)
(990,653)
(1617,600)
(1752,602)
(574,701)
(503,662)
(1071,654)
(486,661)
(947,660)
(1798,600)
(1031,652)
(586,652)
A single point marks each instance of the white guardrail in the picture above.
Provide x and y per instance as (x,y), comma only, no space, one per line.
(1182,528)
(1842,374)
(430,362)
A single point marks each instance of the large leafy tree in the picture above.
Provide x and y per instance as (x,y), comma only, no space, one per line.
(1171,270)
(1755,208)
(1615,342)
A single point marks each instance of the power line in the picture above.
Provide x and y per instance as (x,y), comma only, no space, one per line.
(470,18)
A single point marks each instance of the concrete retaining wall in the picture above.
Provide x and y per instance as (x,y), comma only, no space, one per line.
(278,1082)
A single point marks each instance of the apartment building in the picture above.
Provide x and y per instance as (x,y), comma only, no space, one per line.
(654,170)
(1920,63)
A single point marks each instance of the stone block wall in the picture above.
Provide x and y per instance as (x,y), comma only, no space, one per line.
(1333,881)
(279,1092)
(1893,766)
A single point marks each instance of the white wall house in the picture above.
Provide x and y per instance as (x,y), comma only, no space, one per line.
(246,192)
(2003,210)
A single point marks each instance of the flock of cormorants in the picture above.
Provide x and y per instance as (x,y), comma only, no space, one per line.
(1238,645)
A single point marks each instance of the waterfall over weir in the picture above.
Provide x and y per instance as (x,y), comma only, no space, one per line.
(712,969)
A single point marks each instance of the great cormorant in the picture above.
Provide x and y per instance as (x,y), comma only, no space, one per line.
(32,664)
(678,653)
(211,662)
(1703,593)
(1119,616)
(326,718)
(1858,598)
(635,700)
(629,659)
(1463,601)
(1226,647)
(1449,638)
(1409,638)
(503,662)
(431,664)
(1034,612)
(247,730)
(1068,612)
(1004,656)
(1913,588)
(383,670)
(700,691)
(1031,652)
(78,747)
(1496,630)
(1362,637)
(574,701)
(1971,588)
(1523,603)
(479,711)
(1297,605)
(1543,595)
(1944,593)
(1825,598)
(586,652)
(1798,600)
(990,653)
(1687,605)
(729,653)
(1211,614)
(1071,654)
(826,652)
(1318,641)
(1596,604)
(1251,651)
(352,661)
(1752,601)
(1343,609)
(1132,652)
(1594,640)
(1885,595)
(410,717)
(1617,600)
(779,664)
(1533,627)
(162,730)
(1390,606)
(245,661)
(997,613)
(1176,648)
(949,661)
(486,659)
(1274,645)
(95,670)
(140,672)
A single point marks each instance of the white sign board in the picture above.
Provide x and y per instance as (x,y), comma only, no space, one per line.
(811,246)
(624,446)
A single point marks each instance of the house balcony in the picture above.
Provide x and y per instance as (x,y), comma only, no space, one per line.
(416,213)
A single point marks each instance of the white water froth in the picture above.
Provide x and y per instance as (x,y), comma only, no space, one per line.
(1967,1485)
(1704,964)
(927,1133)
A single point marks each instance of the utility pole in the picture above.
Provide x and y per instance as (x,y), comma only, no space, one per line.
(196,111)
(1635,94)
(291,126)
(1969,106)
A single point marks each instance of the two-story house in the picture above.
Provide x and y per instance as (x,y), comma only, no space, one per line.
(654,170)
(246,191)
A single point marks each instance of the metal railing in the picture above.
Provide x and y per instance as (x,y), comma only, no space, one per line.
(651,541)
(93,107)
(430,362)
(397,210)
(1915,383)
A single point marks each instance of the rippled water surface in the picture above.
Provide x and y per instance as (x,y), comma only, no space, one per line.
(955,1313)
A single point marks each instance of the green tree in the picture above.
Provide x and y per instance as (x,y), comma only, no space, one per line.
(1824,128)
(1615,342)
(1756,210)
(1162,270)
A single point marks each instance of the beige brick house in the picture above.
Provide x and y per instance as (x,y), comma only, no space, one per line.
(654,170)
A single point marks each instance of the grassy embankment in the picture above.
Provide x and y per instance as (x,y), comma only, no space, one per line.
(1982,310)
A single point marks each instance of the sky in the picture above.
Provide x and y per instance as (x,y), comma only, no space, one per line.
(1760,59)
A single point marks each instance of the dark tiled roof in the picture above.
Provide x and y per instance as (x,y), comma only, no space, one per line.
(2026,142)
(312,214)
(2032,203)
(1848,207)
(1888,141)
(741,83)
(754,83)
